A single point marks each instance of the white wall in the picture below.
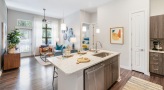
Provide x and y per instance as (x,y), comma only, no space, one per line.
(116,14)
(75,21)
(12,22)
(14,15)
(156,7)
(72,21)
(88,18)
(94,17)
(85,16)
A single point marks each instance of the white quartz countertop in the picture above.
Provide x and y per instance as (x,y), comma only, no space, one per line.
(70,66)
(156,51)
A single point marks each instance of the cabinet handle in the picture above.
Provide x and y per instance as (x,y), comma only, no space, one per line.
(155,58)
(156,63)
(141,49)
(156,69)
(155,55)
(102,64)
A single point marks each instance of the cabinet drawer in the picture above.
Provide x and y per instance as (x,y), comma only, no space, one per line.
(155,55)
(155,60)
(155,69)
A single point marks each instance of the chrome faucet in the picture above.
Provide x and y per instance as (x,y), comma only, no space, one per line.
(96,46)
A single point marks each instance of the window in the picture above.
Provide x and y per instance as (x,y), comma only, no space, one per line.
(47,34)
(24,23)
(25,40)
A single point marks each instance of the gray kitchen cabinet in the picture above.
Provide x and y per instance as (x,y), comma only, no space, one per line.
(108,76)
(157,26)
(153,27)
(94,73)
(160,23)
(163,65)
(115,71)
(156,63)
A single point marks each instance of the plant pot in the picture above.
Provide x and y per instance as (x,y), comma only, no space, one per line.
(11,51)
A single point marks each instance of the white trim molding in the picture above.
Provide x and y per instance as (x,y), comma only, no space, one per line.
(146,61)
(125,67)
(0,73)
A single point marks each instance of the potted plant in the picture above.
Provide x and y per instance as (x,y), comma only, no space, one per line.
(13,40)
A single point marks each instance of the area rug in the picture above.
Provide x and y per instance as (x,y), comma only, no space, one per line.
(135,83)
(40,61)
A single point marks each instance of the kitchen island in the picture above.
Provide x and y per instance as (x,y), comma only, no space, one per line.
(71,76)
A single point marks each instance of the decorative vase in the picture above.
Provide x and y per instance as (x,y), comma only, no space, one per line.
(11,51)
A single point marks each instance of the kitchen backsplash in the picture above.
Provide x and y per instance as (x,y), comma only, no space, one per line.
(161,45)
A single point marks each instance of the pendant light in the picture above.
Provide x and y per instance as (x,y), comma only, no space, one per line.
(63,25)
(84,29)
(97,30)
(44,19)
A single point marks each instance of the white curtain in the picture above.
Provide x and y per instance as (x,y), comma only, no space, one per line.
(55,32)
(37,35)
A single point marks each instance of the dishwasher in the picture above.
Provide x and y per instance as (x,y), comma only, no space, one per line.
(94,77)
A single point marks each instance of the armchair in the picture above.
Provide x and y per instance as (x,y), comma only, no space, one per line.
(45,52)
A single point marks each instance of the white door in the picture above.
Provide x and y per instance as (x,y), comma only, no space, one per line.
(25,42)
(138,40)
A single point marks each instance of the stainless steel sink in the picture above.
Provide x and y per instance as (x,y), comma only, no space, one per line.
(102,54)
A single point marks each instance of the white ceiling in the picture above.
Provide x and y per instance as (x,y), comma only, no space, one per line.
(54,7)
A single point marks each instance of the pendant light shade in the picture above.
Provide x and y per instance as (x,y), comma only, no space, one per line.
(97,30)
(63,26)
(84,29)
(73,39)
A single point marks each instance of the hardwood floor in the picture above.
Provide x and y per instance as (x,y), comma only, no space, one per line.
(32,76)
(126,75)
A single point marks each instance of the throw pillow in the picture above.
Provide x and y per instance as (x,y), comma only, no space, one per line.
(59,47)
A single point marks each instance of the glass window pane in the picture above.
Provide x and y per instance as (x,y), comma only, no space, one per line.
(25,41)
(43,41)
(49,41)
(44,25)
(25,38)
(47,30)
(44,33)
(24,23)
(49,25)
(25,48)
(49,34)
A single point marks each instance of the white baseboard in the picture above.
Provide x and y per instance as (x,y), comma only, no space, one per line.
(147,73)
(128,68)
(125,67)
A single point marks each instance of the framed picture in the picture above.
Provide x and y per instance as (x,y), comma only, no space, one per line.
(117,35)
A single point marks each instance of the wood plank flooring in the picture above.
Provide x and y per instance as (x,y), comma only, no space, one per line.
(32,76)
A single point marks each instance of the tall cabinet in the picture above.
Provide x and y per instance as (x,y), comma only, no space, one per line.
(156,61)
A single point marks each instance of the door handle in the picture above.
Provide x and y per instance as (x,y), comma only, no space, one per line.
(141,49)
